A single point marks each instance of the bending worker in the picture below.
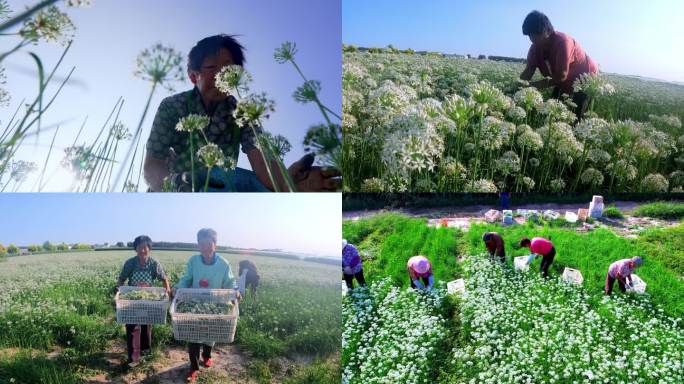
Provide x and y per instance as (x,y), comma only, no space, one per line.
(621,271)
(495,245)
(420,272)
(558,57)
(352,268)
(541,247)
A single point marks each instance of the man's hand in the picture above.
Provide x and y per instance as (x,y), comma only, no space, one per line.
(348,271)
(541,84)
(309,178)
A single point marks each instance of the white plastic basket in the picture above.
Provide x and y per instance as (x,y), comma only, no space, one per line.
(570,217)
(456,286)
(521,263)
(141,311)
(572,276)
(595,210)
(597,199)
(242,281)
(201,328)
(638,285)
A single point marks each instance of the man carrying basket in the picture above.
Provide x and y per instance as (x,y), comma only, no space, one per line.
(210,271)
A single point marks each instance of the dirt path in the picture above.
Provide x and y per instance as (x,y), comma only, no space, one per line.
(479,210)
(171,365)
(463,217)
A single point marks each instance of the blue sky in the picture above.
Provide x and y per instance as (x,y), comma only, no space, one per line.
(111,34)
(302,222)
(631,37)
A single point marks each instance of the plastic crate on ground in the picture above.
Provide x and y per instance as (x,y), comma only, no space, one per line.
(551,214)
(456,286)
(205,328)
(572,276)
(521,263)
(596,210)
(639,286)
(582,214)
(493,215)
(242,282)
(141,311)
(570,217)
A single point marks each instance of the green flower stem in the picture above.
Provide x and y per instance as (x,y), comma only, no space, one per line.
(581,166)
(192,164)
(136,139)
(266,162)
(47,159)
(206,180)
(477,149)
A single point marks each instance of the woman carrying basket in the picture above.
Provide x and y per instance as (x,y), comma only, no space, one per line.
(141,270)
(206,270)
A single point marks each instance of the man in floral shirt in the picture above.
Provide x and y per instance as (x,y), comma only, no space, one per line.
(351,265)
(168,156)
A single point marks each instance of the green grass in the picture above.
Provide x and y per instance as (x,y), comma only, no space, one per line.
(388,241)
(320,372)
(661,210)
(65,301)
(591,253)
(25,368)
(613,212)
(666,245)
(397,237)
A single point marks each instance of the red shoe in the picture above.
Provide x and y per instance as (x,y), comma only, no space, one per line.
(208,363)
(192,375)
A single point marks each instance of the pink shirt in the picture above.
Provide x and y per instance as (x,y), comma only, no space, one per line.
(540,246)
(621,267)
(414,260)
(566,61)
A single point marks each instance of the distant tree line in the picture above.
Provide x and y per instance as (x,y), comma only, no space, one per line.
(47,246)
(391,49)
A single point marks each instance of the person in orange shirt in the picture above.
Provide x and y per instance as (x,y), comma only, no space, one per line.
(558,57)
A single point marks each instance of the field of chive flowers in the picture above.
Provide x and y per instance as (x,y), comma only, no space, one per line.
(428,123)
(510,327)
(58,324)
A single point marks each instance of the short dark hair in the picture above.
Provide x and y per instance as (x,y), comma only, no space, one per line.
(487,236)
(524,242)
(246,264)
(210,46)
(536,23)
(142,239)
